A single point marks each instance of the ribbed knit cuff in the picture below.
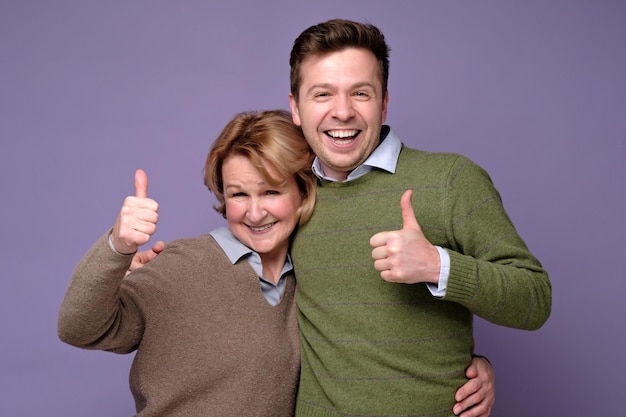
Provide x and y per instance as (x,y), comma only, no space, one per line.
(463,278)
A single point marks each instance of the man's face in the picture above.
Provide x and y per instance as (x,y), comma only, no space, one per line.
(341,108)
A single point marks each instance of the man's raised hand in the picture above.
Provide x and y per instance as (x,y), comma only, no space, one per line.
(405,255)
(137,219)
(141,258)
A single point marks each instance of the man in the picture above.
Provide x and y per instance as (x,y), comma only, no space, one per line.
(393,340)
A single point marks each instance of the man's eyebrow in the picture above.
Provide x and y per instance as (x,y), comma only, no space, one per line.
(364,84)
(327,86)
(321,85)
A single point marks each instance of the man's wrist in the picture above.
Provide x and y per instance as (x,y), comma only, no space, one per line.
(439,289)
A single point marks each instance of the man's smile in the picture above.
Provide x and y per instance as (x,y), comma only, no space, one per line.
(342,137)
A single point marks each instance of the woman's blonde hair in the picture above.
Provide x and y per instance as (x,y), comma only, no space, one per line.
(264,137)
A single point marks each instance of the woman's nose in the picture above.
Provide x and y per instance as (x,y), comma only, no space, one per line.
(256,212)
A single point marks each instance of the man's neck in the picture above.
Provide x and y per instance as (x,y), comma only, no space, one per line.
(335,175)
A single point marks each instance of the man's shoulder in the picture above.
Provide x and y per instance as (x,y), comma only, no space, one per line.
(430,156)
(437,165)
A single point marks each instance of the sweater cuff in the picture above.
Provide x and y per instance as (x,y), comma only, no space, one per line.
(463,278)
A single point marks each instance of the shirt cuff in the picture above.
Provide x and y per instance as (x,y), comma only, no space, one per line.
(444,273)
(110,242)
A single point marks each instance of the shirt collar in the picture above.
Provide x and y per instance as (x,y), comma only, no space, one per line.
(385,157)
(235,251)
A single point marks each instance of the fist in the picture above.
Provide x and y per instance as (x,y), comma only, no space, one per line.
(137,218)
(406,255)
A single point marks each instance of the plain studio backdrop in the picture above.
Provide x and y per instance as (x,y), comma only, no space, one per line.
(534,91)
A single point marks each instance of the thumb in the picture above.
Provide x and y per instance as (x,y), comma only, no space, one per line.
(408,216)
(141,184)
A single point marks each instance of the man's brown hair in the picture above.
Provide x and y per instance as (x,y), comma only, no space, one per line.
(336,35)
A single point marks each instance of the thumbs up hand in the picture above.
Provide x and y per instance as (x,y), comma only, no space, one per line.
(405,255)
(137,219)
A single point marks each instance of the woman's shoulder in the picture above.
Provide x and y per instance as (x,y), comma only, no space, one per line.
(194,248)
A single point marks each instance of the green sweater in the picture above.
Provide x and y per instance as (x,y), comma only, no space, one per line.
(373,348)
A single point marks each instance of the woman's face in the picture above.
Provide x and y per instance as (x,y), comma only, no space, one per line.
(261,216)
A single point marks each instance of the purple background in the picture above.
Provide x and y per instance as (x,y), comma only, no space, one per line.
(534,91)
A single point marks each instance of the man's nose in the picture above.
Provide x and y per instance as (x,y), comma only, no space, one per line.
(343,107)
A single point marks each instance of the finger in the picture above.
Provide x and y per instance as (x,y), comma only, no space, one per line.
(379,252)
(408,216)
(158,247)
(379,239)
(382,265)
(408,220)
(471,371)
(141,184)
(478,409)
(468,389)
(473,402)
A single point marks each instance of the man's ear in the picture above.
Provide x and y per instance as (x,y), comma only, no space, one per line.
(295,115)
(384,108)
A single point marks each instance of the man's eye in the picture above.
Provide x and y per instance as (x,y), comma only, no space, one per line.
(321,96)
(362,95)
(272,192)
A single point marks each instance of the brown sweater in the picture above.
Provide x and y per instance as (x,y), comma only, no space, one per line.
(207,342)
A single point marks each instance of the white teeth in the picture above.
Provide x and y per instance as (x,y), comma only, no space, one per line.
(342,133)
(262,228)
(341,142)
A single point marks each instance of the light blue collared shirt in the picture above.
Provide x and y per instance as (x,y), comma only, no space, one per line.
(236,251)
(385,157)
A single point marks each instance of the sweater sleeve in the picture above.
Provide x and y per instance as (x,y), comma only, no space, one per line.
(492,272)
(96,313)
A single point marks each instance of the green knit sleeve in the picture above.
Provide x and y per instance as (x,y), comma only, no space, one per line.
(492,272)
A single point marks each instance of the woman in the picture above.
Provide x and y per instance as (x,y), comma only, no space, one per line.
(207,341)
